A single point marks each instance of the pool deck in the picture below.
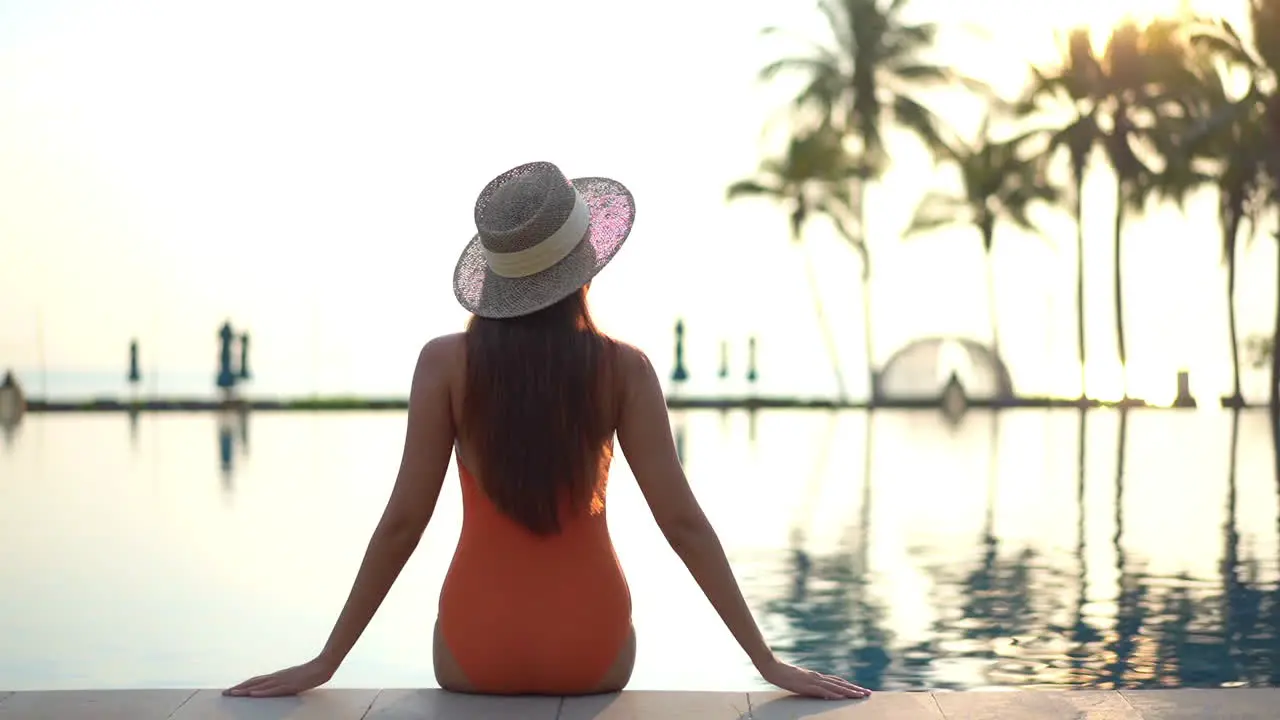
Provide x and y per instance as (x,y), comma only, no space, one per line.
(326,704)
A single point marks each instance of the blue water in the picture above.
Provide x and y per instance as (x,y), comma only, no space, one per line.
(894,548)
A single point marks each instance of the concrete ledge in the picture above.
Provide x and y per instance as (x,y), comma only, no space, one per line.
(327,704)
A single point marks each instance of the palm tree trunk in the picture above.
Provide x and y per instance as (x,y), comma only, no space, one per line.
(867,334)
(1119,290)
(833,353)
(992,304)
(1230,245)
(1079,212)
(867,337)
(1275,350)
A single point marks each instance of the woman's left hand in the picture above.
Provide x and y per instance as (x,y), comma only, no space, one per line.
(289,681)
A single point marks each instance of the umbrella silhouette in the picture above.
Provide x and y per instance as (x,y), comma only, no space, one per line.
(226,378)
(244,357)
(135,372)
(680,373)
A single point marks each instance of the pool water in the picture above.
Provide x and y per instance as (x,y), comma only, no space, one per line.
(195,550)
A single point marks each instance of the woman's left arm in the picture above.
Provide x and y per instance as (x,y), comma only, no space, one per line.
(428,445)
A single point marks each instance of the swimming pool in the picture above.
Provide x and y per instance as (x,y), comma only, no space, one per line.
(194,550)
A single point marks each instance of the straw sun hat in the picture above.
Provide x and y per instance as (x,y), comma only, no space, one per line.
(539,238)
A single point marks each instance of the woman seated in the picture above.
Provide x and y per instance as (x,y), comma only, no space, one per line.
(529,400)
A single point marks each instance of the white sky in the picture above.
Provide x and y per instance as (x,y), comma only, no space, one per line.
(308,170)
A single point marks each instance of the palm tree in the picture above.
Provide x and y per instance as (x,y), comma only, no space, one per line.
(1121,101)
(998,183)
(811,178)
(1074,83)
(1259,60)
(1146,77)
(862,78)
(1233,153)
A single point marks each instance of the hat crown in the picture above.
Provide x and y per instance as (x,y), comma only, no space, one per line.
(524,206)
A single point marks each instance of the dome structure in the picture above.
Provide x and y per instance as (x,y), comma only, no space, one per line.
(922,369)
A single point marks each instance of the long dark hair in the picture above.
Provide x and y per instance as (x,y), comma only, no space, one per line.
(538,416)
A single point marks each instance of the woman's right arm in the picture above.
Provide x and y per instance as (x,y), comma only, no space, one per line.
(644,433)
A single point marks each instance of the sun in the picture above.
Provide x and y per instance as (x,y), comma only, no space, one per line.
(1105,14)
(1100,16)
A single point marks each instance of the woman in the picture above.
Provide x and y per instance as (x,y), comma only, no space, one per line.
(529,400)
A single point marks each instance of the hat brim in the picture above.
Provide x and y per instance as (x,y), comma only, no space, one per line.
(487,294)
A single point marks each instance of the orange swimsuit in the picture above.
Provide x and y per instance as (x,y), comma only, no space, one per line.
(525,614)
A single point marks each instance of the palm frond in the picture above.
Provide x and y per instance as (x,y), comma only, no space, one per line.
(1218,46)
(1260,350)
(911,73)
(814,65)
(924,72)
(938,210)
(1264,19)
(751,188)
(1078,138)
(921,121)
(837,21)
(872,57)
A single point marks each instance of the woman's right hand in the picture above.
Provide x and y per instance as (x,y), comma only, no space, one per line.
(290,681)
(811,684)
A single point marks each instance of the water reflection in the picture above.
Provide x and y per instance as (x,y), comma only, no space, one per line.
(1229,638)
(1121,644)
(133,414)
(678,420)
(10,428)
(233,430)
(1275,595)
(993,621)
(9,434)
(1082,633)
(1244,600)
(1016,614)
(833,621)
(1015,548)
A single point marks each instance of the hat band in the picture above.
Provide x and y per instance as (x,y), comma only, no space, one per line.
(533,260)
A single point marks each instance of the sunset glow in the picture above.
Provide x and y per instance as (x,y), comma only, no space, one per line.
(1102,15)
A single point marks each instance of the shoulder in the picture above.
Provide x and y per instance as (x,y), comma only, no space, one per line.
(634,365)
(444,348)
(630,356)
(441,359)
